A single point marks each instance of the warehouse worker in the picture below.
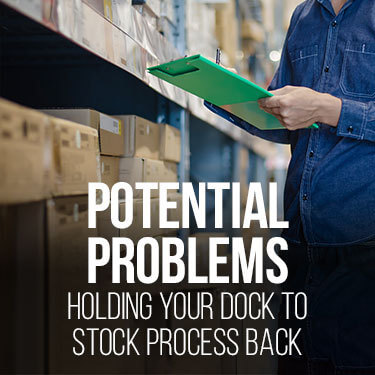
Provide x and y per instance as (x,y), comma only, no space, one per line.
(327,76)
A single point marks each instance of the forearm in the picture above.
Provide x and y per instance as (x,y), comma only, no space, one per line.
(328,109)
(353,119)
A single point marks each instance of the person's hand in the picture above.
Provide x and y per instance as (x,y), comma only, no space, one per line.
(233,70)
(300,107)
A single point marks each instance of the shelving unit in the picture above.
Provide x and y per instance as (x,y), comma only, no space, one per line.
(68,54)
(132,47)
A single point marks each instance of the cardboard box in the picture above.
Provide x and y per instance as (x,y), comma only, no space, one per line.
(22,288)
(170,143)
(136,230)
(288,8)
(104,224)
(25,154)
(251,29)
(151,6)
(141,137)
(76,158)
(200,28)
(167,29)
(110,129)
(244,174)
(109,169)
(167,10)
(227,32)
(175,214)
(134,170)
(67,233)
(67,236)
(158,287)
(268,7)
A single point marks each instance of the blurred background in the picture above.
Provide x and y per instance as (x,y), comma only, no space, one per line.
(77,106)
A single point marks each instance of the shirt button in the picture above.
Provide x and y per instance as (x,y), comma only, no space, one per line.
(334,23)
(311,154)
(350,129)
(326,69)
(304,197)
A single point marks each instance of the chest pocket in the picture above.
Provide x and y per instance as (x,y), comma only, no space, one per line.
(304,63)
(358,70)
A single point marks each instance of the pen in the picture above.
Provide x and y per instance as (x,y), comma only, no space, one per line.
(218,56)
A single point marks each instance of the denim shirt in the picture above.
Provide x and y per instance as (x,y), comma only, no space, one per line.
(330,187)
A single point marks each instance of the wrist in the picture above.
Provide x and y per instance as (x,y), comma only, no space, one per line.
(329,109)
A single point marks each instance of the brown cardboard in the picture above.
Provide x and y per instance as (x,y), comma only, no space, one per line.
(244,174)
(110,129)
(67,236)
(76,158)
(109,169)
(67,233)
(104,223)
(170,143)
(141,137)
(136,230)
(251,29)
(175,214)
(22,288)
(227,31)
(134,170)
(169,172)
(158,286)
(25,154)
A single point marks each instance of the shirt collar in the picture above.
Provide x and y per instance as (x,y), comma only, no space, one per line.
(328,5)
(328,1)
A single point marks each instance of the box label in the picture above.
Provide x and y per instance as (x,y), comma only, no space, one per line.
(110,124)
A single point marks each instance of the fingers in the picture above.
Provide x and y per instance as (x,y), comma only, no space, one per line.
(233,70)
(271,102)
(284,90)
(272,111)
(274,101)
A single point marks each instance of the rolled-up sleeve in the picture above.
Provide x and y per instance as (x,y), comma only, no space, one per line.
(357,120)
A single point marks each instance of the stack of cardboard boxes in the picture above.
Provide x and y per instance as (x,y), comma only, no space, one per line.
(133,150)
(46,164)
(167,20)
(150,9)
(227,32)
(200,28)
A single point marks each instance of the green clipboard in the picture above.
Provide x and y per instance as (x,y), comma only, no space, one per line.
(219,86)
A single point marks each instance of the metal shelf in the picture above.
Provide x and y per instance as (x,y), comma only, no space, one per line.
(132,46)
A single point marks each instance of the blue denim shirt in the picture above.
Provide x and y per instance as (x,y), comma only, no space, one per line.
(330,187)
